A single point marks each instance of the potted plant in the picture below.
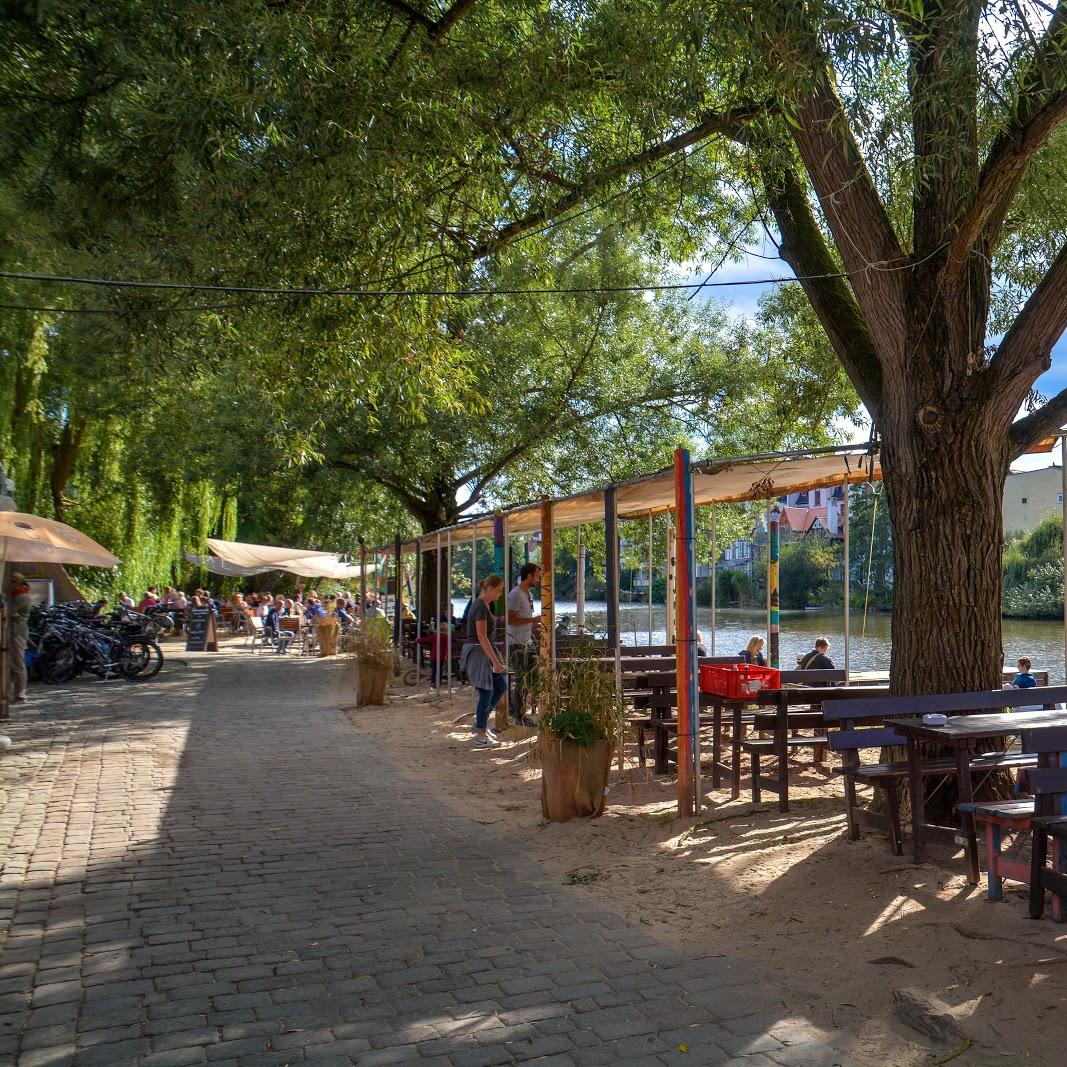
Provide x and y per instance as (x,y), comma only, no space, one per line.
(581,718)
(372,650)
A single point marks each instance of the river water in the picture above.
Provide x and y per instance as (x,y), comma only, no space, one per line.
(1041,641)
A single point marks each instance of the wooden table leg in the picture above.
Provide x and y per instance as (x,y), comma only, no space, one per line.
(918,807)
(965,786)
(781,750)
(735,750)
(659,750)
(716,744)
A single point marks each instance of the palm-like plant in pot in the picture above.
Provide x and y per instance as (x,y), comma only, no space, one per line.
(581,719)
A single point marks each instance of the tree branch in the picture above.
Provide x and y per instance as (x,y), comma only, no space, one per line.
(1040,108)
(854,211)
(1026,350)
(434,29)
(804,248)
(451,17)
(1044,423)
(709,125)
(403,493)
(411,13)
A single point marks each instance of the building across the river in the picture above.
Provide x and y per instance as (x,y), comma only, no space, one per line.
(1030,496)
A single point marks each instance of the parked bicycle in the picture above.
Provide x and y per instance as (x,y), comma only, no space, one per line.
(71,638)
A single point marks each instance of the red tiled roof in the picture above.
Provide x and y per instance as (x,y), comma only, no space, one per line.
(800,520)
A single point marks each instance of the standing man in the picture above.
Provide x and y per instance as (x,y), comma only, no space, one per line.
(521,619)
(21,603)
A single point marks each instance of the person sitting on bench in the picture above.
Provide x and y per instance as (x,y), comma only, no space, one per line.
(753,651)
(1024,679)
(817,659)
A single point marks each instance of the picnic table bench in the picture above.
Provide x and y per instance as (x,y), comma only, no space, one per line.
(902,724)
(784,722)
(742,717)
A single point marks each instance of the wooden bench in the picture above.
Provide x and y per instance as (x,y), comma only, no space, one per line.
(799,688)
(1048,783)
(859,726)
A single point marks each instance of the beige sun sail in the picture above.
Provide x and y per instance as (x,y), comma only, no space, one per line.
(308,563)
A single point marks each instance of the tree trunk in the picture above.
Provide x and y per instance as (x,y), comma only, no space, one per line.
(65,458)
(944,470)
(948,539)
(432,516)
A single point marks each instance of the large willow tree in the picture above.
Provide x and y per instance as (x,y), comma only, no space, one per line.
(907,157)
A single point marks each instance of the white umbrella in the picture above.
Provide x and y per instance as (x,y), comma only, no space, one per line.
(32,539)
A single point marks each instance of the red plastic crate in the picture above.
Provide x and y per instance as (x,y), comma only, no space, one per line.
(738,680)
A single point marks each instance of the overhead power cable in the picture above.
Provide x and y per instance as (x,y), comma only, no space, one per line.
(280,294)
(262,290)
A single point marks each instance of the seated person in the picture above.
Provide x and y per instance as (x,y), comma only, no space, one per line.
(278,610)
(1024,679)
(753,651)
(313,610)
(817,659)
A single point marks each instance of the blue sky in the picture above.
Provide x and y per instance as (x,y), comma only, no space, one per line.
(762,263)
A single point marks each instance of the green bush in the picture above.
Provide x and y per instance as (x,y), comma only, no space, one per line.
(1033,572)
(580,701)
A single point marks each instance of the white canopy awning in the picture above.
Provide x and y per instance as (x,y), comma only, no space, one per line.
(238,559)
(714,481)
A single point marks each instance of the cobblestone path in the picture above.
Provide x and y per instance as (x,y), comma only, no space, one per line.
(218,868)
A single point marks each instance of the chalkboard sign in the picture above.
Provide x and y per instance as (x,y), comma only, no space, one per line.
(200,633)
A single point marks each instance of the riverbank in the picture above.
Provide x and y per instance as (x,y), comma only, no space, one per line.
(789,891)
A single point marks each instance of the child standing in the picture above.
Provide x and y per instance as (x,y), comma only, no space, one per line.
(438,643)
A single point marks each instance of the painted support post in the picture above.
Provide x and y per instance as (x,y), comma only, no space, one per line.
(1063,489)
(448,606)
(398,598)
(381,582)
(650,564)
(362,579)
(688,699)
(714,577)
(844,531)
(500,566)
(418,611)
(611,566)
(672,573)
(579,585)
(767,572)
(774,617)
(474,561)
(437,569)
(548,581)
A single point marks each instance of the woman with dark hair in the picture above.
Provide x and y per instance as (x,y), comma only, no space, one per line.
(480,659)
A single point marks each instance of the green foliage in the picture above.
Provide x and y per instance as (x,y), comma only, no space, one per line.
(1033,572)
(580,701)
(371,644)
(806,572)
(734,589)
(874,557)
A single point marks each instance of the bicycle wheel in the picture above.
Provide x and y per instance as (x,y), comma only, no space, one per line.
(63,665)
(141,660)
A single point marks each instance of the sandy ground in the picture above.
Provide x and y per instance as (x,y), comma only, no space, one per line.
(841,925)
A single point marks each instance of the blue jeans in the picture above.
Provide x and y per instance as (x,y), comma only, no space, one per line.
(488,699)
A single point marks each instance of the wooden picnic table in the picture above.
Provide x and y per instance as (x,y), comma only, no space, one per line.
(782,720)
(961,733)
